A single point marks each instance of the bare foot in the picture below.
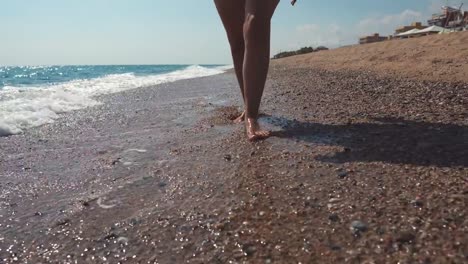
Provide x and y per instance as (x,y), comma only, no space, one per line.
(240,119)
(254,132)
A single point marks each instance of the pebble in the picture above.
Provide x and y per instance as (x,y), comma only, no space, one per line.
(417,203)
(249,249)
(342,174)
(358,226)
(405,237)
(335,247)
(63,222)
(334,218)
(227,157)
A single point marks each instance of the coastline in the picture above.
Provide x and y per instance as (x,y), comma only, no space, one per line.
(360,168)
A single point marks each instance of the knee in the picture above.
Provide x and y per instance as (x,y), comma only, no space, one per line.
(249,24)
(237,44)
(254,26)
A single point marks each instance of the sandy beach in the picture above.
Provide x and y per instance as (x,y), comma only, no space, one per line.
(434,58)
(362,168)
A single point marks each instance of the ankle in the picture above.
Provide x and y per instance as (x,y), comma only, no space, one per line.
(250,119)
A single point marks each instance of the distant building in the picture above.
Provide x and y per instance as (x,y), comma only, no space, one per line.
(416,25)
(465,20)
(371,39)
(449,18)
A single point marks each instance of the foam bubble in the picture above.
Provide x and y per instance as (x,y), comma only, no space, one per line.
(25,107)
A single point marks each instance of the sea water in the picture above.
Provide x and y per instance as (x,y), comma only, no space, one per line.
(31,96)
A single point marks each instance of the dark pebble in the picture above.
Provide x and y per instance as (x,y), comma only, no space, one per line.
(342,174)
(249,250)
(358,227)
(334,218)
(63,222)
(134,222)
(335,247)
(227,157)
(405,237)
(417,203)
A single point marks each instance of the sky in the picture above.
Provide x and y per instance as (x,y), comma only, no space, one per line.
(58,32)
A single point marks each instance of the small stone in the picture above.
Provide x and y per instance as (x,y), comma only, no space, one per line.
(63,222)
(342,174)
(417,203)
(249,250)
(334,218)
(134,222)
(335,247)
(405,237)
(358,227)
(227,157)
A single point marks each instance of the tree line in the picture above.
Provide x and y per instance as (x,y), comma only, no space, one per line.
(300,51)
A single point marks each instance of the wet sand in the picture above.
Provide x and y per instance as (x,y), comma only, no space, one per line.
(361,169)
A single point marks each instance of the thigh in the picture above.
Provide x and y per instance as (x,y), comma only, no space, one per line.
(261,9)
(232,13)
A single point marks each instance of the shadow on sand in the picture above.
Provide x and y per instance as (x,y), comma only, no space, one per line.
(387,140)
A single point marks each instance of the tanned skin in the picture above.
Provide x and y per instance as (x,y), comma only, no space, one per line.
(248,28)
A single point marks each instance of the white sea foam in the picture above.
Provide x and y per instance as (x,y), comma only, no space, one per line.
(25,107)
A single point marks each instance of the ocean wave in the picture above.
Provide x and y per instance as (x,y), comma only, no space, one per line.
(25,107)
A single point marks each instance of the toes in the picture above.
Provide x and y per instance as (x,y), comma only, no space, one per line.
(240,119)
(259,135)
(264,133)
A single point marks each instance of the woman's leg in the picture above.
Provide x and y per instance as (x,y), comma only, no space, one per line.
(257,28)
(232,13)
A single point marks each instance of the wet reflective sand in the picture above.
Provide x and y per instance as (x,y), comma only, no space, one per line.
(360,170)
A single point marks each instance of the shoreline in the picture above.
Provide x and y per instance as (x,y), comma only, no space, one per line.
(360,168)
(40,102)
